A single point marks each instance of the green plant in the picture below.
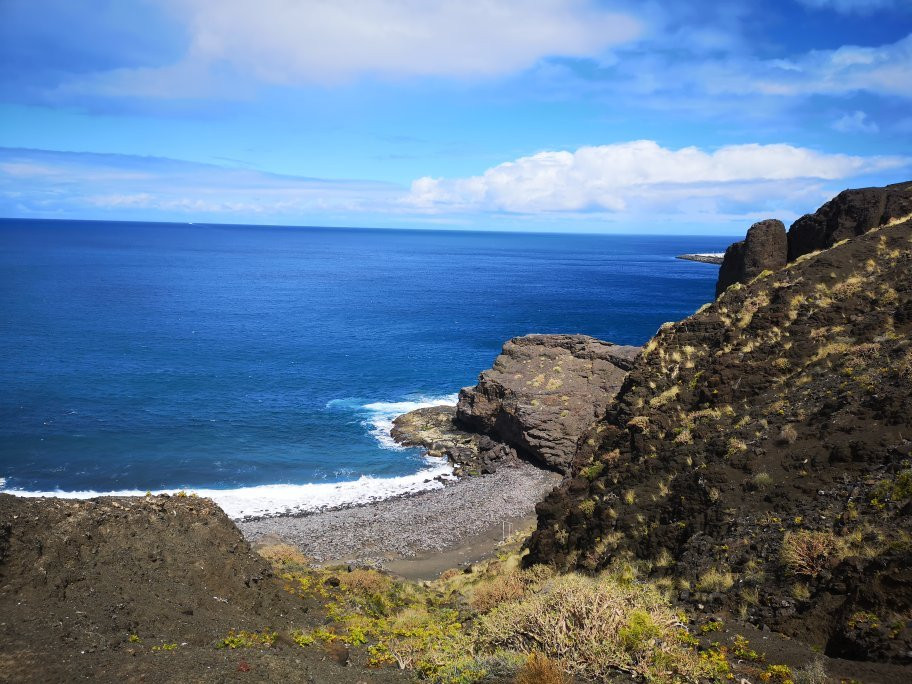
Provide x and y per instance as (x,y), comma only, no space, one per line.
(165,647)
(593,471)
(780,674)
(587,507)
(741,648)
(245,639)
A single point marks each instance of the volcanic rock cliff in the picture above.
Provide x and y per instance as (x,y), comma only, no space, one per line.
(760,451)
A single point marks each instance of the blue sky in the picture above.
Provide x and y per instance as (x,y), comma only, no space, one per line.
(563,115)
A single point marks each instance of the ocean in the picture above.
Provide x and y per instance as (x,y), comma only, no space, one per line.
(263,365)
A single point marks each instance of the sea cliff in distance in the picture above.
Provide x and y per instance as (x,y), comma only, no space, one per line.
(735,505)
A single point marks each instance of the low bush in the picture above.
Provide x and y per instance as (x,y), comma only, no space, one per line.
(596,627)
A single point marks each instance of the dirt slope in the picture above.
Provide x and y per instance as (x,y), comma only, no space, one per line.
(79,578)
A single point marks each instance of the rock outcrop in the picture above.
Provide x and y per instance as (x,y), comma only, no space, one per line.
(543,393)
(850,214)
(764,249)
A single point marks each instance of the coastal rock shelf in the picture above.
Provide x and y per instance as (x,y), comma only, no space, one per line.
(435,430)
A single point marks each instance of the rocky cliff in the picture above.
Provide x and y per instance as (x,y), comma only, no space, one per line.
(849,214)
(759,451)
(764,249)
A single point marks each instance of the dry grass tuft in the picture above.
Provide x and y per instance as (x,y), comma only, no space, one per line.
(490,594)
(595,626)
(540,669)
(807,553)
(366,582)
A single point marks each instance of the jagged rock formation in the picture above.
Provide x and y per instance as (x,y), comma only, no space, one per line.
(849,214)
(763,249)
(543,393)
(760,452)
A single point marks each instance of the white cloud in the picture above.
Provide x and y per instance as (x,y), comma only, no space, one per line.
(848,69)
(849,6)
(315,41)
(856,122)
(628,177)
(43,181)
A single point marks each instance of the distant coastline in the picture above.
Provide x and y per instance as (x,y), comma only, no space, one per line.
(705,258)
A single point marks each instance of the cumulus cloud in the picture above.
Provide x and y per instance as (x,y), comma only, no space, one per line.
(626,177)
(856,122)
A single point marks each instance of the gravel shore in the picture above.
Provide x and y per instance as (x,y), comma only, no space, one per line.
(394,529)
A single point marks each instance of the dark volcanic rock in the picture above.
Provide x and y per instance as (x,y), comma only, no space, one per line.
(544,392)
(434,429)
(850,213)
(764,249)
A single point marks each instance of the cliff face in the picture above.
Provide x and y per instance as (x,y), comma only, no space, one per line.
(543,393)
(759,451)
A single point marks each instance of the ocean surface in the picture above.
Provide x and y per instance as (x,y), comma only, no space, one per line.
(263,366)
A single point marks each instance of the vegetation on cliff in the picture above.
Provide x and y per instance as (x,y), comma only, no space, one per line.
(759,454)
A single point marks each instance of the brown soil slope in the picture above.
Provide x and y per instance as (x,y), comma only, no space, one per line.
(759,451)
(79,578)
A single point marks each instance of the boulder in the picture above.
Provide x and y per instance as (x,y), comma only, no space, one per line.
(543,393)
(764,249)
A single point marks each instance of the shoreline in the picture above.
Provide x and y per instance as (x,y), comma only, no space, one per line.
(418,535)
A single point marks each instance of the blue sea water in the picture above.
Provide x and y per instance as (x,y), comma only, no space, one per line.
(266,363)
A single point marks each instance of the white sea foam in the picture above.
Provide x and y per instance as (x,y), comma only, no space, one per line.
(278,499)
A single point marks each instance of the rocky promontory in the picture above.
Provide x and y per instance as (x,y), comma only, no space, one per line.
(536,402)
